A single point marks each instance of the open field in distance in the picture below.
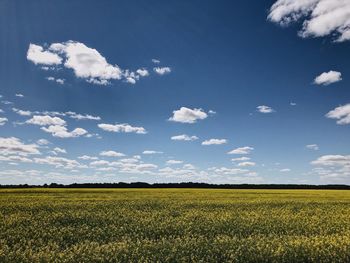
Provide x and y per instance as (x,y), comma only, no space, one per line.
(174,225)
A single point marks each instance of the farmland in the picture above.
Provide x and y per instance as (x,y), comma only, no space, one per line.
(174,225)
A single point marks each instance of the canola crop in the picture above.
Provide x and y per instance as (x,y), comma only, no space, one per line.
(174,225)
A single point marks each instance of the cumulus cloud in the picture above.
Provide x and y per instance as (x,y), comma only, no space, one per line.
(214,142)
(184,137)
(42,142)
(265,109)
(155,61)
(87,63)
(327,78)
(170,162)
(78,116)
(22,112)
(87,157)
(285,170)
(3,120)
(312,147)
(151,152)
(333,168)
(62,131)
(59,162)
(186,115)
(320,17)
(341,114)
(129,166)
(14,159)
(124,127)
(246,164)
(332,160)
(111,154)
(242,150)
(229,171)
(45,120)
(58,150)
(38,55)
(19,95)
(142,72)
(240,159)
(57,80)
(162,70)
(13,145)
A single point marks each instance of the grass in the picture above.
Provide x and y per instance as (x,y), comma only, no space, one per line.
(174,225)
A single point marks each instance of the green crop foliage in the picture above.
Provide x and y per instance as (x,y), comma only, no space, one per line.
(174,225)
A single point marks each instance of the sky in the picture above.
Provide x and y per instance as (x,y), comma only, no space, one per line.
(175,91)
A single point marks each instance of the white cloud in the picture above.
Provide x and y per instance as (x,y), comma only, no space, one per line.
(151,152)
(155,61)
(15,158)
(22,112)
(124,127)
(59,162)
(46,120)
(162,70)
(87,63)
(78,116)
(321,17)
(142,72)
(170,162)
(3,121)
(128,165)
(13,145)
(57,80)
(100,163)
(186,115)
(246,164)
(189,166)
(60,81)
(285,170)
(341,114)
(87,157)
(229,171)
(37,55)
(42,142)
(333,168)
(242,150)
(240,159)
(58,150)
(332,160)
(19,95)
(111,154)
(265,109)
(214,142)
(130,160)
(184,137)
(62,132)
(292,104)
(327,78)
(312,147)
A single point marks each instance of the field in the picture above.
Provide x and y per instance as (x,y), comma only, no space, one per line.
(174,225)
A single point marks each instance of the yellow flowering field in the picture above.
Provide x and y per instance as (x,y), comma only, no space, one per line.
(174,225)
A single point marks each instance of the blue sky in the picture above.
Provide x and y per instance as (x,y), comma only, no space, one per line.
(204,91)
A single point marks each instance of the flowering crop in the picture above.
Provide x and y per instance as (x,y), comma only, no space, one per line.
(174,225)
